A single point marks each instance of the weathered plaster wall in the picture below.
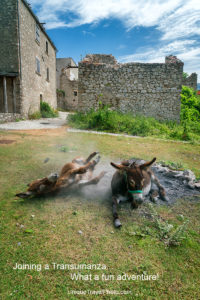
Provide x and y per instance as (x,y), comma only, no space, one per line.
(140,88)
(34,84)
(191,81)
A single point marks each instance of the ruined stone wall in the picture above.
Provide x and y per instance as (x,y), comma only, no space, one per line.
(9,37)
(35,86)
(100,59)
(191,81)
(138,88)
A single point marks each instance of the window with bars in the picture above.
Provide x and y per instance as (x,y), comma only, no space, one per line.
(37,65)
(37,33)
(47,47)
(47,74)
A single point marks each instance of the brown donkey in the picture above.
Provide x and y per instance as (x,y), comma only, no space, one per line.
(77,173)
(132,182)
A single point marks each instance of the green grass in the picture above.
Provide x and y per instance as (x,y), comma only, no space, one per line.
(52,234)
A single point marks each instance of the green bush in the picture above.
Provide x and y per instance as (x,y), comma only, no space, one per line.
(47,111)
(190,105)
(35,116)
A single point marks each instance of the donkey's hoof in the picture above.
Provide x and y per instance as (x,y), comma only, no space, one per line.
(165,198)
(97,159)
(117,223)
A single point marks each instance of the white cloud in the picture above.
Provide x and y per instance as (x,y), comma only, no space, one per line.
(121,46)
(186,50)
(88,33)
(172,17)
(176,20)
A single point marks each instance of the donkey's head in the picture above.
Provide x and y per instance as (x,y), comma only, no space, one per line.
(134,178)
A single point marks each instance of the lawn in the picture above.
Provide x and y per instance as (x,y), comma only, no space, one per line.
(72,230)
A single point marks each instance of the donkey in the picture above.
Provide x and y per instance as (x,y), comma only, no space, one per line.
(132,182)
(77,173)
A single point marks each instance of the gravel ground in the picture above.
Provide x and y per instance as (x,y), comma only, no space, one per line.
(48,123)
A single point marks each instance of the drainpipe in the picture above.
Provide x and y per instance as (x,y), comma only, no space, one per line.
(20,61)
(19,39)
(5,95)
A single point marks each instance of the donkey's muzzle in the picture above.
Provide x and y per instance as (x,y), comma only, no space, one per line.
(137,200)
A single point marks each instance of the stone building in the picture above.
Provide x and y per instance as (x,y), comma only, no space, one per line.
(150,89)
(27,61)
(62,63)
(67,84)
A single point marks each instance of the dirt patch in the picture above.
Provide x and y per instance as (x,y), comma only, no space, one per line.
(6,142)
(44,132)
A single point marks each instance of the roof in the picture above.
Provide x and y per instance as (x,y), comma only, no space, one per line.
(198,92)
(38,21)
(9,74)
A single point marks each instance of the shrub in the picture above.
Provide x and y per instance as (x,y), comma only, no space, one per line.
(47,111)
(166,231)
(185,75)
(190,105)
(35,116)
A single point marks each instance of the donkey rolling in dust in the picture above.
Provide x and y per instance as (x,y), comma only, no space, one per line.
(132,182)
(75,174)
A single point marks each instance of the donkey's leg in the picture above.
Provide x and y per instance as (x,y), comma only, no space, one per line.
(83,169)
(161,188)
(117,222)
(153,195)
(95,180)
(90,157)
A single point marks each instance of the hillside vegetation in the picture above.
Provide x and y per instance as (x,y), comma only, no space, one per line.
(105,119)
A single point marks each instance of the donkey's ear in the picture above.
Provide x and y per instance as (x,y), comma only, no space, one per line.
(118,167)
(147,164)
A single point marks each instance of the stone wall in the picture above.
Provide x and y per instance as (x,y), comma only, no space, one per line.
(35,86)
(9,117)
(140,88)
(100,59)
(191,81)
(9,62)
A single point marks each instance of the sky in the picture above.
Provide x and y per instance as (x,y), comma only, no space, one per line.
(131,30)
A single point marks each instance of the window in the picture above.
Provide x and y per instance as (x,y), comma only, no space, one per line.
(37,65)
(47,74)
(47,48)
(37,33)
(75,93)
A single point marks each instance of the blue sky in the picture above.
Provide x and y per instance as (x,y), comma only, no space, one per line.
(131,30)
